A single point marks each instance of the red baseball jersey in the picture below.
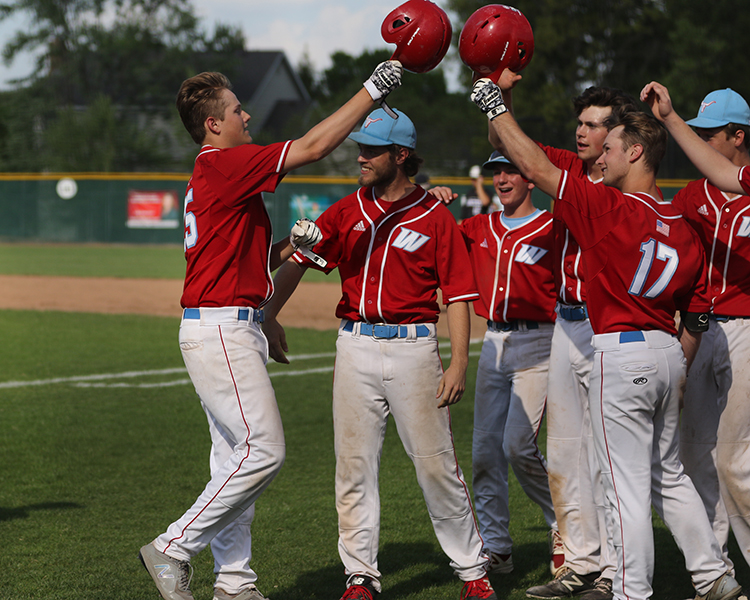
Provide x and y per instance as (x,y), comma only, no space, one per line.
(744,176)
(569,282)
(723,226)
(393,256)
(228,233)
(512,267)
(642,261)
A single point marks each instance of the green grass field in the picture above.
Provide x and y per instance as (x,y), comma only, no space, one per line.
(103,443)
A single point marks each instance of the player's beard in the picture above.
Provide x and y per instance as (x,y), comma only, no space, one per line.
(381,177)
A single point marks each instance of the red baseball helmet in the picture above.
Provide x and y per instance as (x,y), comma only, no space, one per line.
(494,38)
(422,34)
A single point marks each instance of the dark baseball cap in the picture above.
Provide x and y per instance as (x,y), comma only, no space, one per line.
(495,159)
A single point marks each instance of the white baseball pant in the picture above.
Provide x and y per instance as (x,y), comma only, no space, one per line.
(574,475)
(508,409)
(372,379)
(708,383)
(226,360)
(636,388)
(720,373)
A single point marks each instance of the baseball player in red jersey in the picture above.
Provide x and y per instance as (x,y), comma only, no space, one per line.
(230,256)
(394,246)
(642,262)
(511,256)
(715,434)
(575,477)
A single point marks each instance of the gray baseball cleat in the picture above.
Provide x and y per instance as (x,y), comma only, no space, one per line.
(724,588)
(249,593)
(602,590)
(171,576)
(567,584)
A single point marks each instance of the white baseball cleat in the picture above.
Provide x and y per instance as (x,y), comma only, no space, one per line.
(498,564)
(556,552)
(724,588)
(171,576)
(249,593)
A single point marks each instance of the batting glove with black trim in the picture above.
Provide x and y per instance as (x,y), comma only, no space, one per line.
(384,79)
(305,233)
(487,96)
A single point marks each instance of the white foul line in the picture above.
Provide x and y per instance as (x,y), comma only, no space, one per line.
(100,380)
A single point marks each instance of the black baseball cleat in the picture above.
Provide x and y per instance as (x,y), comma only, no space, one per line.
(361,587)
(602,591)
(566,585)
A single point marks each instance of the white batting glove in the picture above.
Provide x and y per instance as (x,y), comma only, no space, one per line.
(487,96)
(384,79)
(305,233)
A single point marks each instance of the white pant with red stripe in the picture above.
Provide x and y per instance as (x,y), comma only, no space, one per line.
(575,479)
(716,429)
(372,379)
(635,395)
(509,406)
(226,361)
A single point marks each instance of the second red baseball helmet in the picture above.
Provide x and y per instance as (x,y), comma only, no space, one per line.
(494,38)
(422,34)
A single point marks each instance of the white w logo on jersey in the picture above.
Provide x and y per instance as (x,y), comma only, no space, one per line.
(409,240)
(744,230)
(530,254)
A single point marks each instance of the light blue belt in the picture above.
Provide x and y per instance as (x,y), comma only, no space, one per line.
(631,336)
(386,331)
(243,314)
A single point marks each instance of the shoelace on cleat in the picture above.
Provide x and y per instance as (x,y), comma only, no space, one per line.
(357,592)
(478,588)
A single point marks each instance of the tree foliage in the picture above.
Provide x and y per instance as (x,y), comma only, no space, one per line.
(691,47)
(102,66)
(100,59)
(451,132)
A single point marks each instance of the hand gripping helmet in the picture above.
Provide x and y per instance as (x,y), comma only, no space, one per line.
(422,34)
(494,38)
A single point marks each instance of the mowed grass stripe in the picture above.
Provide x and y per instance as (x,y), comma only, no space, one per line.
(90,474)
(103,260)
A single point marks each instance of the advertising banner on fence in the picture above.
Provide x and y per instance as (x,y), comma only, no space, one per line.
(153,209)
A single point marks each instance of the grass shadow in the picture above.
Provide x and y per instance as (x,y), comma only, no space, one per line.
(23,512)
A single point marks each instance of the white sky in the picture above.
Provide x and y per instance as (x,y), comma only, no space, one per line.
(318,27)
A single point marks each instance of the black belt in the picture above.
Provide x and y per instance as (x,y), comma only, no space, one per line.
(511,325)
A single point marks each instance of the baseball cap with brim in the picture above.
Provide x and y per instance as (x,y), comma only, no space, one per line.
(720,108)
(494,160)
(381,130)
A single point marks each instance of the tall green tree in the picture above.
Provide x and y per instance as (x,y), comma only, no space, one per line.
(691,46)
(107,70)
(451,132)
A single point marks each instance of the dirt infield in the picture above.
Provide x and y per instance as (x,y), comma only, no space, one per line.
(312,305)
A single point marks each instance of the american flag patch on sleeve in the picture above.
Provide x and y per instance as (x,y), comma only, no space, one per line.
(662,227)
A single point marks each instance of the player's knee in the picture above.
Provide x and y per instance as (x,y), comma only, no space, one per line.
(517,447)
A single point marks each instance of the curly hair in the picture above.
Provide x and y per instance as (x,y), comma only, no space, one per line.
(603,96)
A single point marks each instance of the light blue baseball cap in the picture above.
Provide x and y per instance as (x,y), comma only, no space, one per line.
(495,159)
(381,130)
(720,108)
